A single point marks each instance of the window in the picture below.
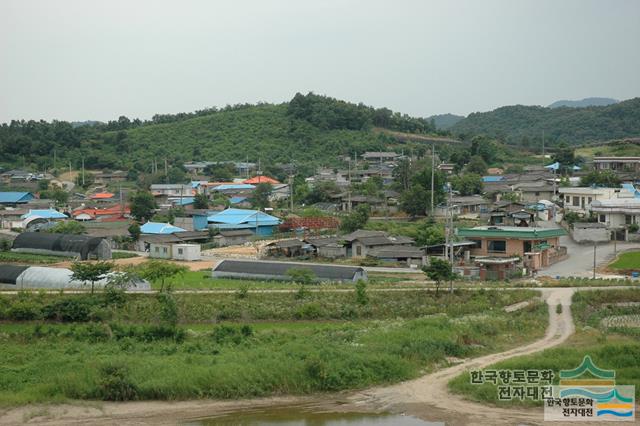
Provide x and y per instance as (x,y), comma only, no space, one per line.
(164,249)
(497,246)
(478,243)
(537,194)
(590,200)
(602,218)
(576,201)
(157,249)
(180,251)
(628,219)
(358,251)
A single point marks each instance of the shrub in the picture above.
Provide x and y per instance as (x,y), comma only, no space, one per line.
(361,293)
(115,384)
(71,309)
(559,309)
(309,311)
(168,309)
(24,310)
(243,292)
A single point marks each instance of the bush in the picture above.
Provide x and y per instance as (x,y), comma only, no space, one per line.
(24,310)
(71,309)
(361,293)
(115,384)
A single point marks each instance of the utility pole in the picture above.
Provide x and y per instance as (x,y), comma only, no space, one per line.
(349,187)
(166,168)
(594,259)
(543,146)
(433,174)
(291,191)
(449,226)
(82,171)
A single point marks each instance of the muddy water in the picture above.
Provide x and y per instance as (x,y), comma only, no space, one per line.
(298,417)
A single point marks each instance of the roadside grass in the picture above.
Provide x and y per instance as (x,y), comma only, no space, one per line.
(202,280)
(627,261)
(123,255)
(615,348)
(28,258)
(54,362)
(235,306)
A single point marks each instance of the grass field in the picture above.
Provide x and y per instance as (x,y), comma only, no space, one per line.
(28,258)
(268,350)
(627,261)
(610,347)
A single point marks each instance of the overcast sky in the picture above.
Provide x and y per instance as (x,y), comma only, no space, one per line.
(82,59)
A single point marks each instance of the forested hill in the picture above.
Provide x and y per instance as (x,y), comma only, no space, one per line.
(523,125)
(310,129)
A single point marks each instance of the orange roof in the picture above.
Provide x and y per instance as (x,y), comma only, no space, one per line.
(102,196)
(261,179)
(113,210)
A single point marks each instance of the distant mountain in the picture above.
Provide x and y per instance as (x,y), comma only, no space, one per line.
(445,121)
(586,102)
(524,125)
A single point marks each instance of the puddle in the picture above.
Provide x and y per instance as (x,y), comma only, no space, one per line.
(296,417)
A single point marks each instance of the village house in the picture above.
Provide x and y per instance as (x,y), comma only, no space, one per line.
(258,222)
(12,199)
(579,199)
(589,232)
(617,164)
(473,205)
(233,238)
(172,190)
(105,178)
(379,157)
(618,213)
(537,247)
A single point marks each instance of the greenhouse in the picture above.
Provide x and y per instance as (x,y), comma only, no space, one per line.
(79,246)
(36,277)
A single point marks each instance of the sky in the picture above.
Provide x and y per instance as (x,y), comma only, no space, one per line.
(97,60)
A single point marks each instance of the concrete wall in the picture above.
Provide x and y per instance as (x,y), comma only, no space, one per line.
(589,235)
(160,251)
(332,252)
(189,252)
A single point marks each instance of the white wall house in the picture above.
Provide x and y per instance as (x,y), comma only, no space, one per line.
(188,252)
(579,199)
(617,212)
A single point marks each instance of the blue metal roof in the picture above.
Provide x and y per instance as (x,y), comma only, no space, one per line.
(233,186)
(232,218)
(629,187)
(236,200)
(15,197)
(554,166)
(492,178)
(159,228)
(184,201)
(44,214)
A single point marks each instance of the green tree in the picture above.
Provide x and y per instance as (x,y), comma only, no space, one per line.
(261,195)
(220,171)
(157,271)
(477,165)
(605,178)
(134,231)
(415,201)
(201,201)
(90,271)
(467,184)
(68,227)
(142,206)
(402,174)
(429,233)
(438,271)
(356,219)
(58,195)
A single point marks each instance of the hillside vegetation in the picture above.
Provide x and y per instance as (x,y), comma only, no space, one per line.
(310,129)
(523,125)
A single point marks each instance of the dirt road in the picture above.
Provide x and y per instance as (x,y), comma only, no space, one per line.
(429,399)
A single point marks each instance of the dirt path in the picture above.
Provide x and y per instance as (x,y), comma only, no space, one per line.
(428,396)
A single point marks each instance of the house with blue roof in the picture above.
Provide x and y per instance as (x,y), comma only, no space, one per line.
(258,222)
(13,198)
(159,228)
(41,219)
(492,178)
(232,187)
(50,214)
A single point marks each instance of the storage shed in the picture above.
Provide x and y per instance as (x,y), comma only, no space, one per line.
(81,246)
(278,271)
(14,277)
